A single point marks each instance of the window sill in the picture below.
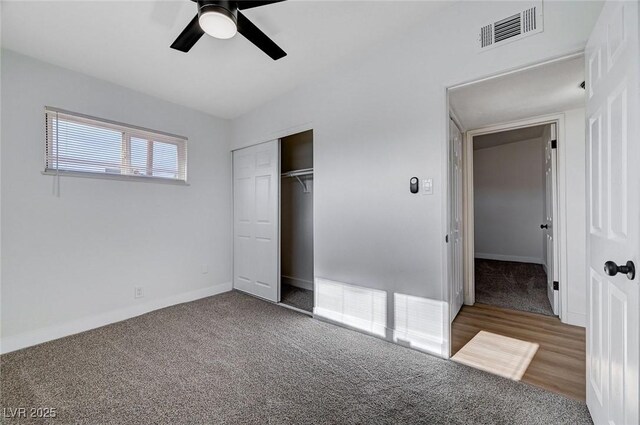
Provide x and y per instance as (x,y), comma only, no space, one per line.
(105,176)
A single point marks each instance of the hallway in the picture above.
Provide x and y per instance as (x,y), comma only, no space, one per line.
(516,286)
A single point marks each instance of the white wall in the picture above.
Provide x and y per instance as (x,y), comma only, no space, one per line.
(380,119)
(70,263)
(508,195)
(573,151)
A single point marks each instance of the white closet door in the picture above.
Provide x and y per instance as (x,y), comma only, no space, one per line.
(455,220)
(613,215)
(255,218)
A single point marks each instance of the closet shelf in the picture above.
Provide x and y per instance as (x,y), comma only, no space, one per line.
(300,173)
(296,173)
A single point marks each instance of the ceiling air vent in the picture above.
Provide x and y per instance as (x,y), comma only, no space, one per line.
(519,25)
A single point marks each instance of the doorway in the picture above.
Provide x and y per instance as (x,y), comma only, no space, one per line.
(522,263)
(544,102)
(514,204)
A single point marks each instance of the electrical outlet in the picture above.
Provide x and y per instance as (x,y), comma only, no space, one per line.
(204,269)
(138,292)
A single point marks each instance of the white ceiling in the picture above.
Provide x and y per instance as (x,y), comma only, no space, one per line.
(127,43)
(545,89)
(510,136)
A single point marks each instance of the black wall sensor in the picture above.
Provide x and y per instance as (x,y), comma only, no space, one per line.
(413,185)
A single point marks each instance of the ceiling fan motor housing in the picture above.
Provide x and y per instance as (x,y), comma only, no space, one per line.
(227,8)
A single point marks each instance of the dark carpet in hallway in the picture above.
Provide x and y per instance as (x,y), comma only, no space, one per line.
(234,359)
(519,286)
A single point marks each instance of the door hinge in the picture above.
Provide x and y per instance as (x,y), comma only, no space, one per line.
(554,144)
(556,285)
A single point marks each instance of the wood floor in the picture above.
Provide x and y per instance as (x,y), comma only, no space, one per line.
(559,364)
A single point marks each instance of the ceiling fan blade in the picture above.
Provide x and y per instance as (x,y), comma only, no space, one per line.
(248,4)
(189,36)
(260,39)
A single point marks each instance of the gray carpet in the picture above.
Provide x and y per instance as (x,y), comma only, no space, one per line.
(296,297)
(234,359)
(518,286)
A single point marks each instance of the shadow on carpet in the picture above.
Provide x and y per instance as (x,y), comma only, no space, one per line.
(234,359)
(296,297)
(518,286)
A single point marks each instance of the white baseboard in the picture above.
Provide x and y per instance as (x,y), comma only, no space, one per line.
(298,283)
(575,319)
(421,342)
(514,258)
(28,339)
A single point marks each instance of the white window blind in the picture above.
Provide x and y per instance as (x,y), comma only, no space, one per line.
(79,144)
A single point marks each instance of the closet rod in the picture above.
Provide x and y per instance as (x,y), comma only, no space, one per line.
(300,173)
(295,173)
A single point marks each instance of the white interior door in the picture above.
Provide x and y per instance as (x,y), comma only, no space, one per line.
(255,220)
(613,215)
(455,220)
(551,211)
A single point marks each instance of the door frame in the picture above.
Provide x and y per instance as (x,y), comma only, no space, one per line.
(468,208)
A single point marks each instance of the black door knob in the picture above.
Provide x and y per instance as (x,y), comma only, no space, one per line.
(612,269)
(544,226)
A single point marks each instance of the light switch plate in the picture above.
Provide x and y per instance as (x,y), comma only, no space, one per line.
(427,186)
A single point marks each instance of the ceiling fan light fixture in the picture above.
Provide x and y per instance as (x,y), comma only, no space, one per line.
(218,21)
(223,19)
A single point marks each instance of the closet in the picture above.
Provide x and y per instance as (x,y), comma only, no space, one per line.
(296,221)
(273,221)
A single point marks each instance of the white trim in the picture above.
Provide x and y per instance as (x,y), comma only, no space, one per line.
(515,70)
(456,120)
(514,258)
(421,342)
(576,319)
(49,333)
(107,176)
(468,226)
(446,284)
(563,236)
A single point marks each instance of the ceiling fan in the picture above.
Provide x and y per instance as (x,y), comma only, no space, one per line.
(222,19)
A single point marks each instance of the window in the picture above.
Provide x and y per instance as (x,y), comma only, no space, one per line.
(80,144)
